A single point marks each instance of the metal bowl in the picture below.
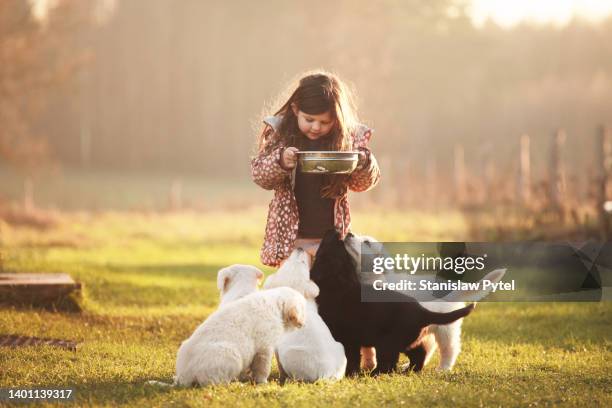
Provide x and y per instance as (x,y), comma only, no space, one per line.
(327,162)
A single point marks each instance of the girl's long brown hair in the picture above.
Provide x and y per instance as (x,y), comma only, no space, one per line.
(317,93)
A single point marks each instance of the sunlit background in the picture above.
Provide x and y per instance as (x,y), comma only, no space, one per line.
(126,104)
(553,12)
(126,131)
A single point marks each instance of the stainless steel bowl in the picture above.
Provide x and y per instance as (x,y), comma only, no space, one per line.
(327,162)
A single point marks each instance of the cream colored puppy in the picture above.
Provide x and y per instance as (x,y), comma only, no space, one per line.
(311,353)
(239,336)
(447,338)
(234,282)
(237,281)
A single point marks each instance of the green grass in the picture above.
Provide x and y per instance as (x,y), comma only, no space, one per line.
(150,280)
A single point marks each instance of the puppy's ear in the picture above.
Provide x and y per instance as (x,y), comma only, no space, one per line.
(294,314)
(311,291)
(224,277)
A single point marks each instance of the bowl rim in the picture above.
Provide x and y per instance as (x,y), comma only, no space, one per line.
(328,151)
(340,159)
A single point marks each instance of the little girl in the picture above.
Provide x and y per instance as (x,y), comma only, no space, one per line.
(317,116)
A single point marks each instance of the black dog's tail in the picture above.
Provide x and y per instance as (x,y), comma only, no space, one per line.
(446,318)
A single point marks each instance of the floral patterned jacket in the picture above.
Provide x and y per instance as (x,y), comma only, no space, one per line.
(283,218)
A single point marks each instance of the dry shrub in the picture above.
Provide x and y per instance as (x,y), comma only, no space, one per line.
(34,218)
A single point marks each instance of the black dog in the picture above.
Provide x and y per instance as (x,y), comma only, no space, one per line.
(391,327)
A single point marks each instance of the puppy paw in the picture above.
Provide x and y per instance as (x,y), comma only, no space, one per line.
(409,368)
(444,368)
(368,364)
(368,358)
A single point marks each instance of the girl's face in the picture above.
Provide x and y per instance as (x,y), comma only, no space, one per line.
(314,126)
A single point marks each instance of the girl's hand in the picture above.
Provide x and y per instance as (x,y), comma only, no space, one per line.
(289,157)
(363,159)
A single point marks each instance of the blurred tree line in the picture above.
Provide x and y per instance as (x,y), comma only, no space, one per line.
(38,63)
(181,86)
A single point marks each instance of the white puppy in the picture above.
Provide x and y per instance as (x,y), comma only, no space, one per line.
(239,336)
(237,281)
(445,337)
(311,353)
(234,282)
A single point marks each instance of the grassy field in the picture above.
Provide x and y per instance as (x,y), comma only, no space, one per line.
(77,189)
(150,280)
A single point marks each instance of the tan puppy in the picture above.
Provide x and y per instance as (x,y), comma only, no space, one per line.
(238,337)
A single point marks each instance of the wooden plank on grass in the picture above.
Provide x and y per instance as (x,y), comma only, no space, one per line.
(35,287)
(21,341)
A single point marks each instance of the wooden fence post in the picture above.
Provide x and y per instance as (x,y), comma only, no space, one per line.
(460,175)
(489,180)
(28,194)
(603,151)
(557,172)
(525,171)
(431,182)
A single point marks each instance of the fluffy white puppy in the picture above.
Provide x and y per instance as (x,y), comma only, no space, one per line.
(447,338)
(234,282)
(311,353)
(239,336)
(237,281)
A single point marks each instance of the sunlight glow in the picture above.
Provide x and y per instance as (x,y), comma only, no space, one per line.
(41,8)
(102,10)
(508,13)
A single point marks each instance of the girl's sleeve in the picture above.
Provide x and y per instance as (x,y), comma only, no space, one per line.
(368,176)
(266,169)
